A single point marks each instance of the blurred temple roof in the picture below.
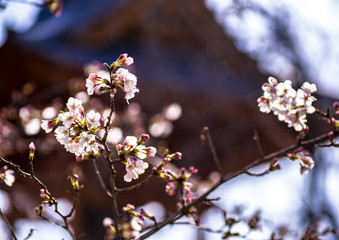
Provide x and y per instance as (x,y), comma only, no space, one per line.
(181,55)
(172,42)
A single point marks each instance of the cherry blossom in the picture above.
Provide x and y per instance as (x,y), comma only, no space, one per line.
(134,168)
(77,132)
(130,228)
(286,103)
(7,176)
(74,105)
(178,181)
(127,82)
(142,151)
(124,60)
(98,82)
(304,158)
(48,125)
(93,118)
(132,153)
(101,81)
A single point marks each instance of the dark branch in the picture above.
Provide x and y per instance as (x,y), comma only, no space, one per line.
(8,225)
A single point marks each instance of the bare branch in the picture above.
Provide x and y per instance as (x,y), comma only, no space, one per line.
(101,181)
(8,225)
(259,146)
(30,234)
(230,176)
(206,133)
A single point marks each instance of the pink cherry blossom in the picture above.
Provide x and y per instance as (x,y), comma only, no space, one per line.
(98,82)
(124,60)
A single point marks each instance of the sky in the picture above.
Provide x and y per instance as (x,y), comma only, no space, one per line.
(278,197)
(17,17)
(316,26)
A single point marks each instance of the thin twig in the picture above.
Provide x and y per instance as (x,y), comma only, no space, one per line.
(216,160)
(8,225)
(101,181)
(258,143)
(49,219)
(206,229)
(29,234)
(258,174)
(16,167)
(75,199)
(53,201)
(327,145)
(137,185)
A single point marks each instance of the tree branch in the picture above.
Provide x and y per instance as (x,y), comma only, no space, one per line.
(8,225)
(230,176)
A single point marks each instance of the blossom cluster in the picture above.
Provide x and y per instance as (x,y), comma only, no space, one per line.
(177,182)
(105,81)
(7,176)
(76,130)
(129,228)
(180,182)
(132,153)
(142,214)
(304,158)
(335,121)
(288,104)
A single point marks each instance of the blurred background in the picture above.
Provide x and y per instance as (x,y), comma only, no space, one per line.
(199,63)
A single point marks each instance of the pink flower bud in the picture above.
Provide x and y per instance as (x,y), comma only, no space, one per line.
(144,137)
(31,146)
(3,169)
(31,151)
(151,151)
(128,208)
(107,222)
(39,210)
(336,107)
(42,193)
(166,160)
(193,170)
(177,155)
(124,60)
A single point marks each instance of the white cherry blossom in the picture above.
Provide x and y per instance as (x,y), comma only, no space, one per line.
(74,104)
(7,176)
(128,81)
(93,118)
(47,125)
(286,103)
(134,169)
